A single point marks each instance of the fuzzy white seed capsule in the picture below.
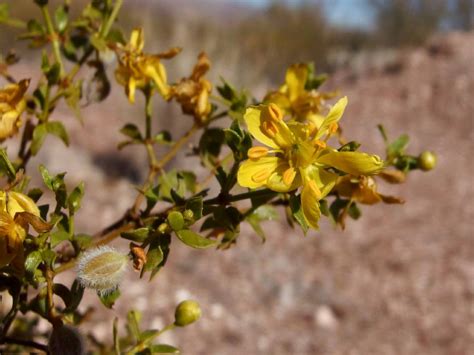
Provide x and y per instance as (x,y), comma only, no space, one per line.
(101,269)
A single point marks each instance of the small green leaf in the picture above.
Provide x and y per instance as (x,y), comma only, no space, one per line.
(61,17)
(58,237)
(53,74)
(176,220)
(297,212)
(63,292)
(154,257)
(74,199)
(163,349)
(195,204)
(48,256)
(57,129)
(354,211)
(138,235)
(108,300)
(77,291)
(98,42)
(133,321)
(398,146)
(6,167)
(116,337)
(164,137)
(39,135)
(35,194)
(194,240)
(47,177)
(32,261)
(132,131)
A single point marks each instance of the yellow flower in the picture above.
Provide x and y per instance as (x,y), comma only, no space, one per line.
(362,189)
(294,99)
(193,92)
(137,69)
(12,104)
(298,156)
(15,212)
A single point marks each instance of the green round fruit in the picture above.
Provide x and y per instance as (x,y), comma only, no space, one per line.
(427,161)
(186,313)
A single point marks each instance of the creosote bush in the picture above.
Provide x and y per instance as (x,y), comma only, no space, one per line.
(285,151)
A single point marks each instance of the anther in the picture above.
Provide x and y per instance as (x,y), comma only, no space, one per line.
(257,152)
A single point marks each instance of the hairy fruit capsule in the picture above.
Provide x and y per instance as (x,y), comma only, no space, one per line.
(187,312)
(101,269)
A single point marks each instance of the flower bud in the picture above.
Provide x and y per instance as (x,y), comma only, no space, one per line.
(186,313)
(163,228)
(188,214)
(66,339)
(101,269)
(427,161)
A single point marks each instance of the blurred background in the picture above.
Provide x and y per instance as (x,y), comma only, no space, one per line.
(398,281)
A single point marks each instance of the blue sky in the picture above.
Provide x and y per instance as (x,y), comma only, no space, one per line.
(352,13)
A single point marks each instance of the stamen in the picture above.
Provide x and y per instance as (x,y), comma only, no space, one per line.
(289,176)
(257,152)
(315,189)
(274,113)
(333,127)
(319,143)
(269,128)
(261,176)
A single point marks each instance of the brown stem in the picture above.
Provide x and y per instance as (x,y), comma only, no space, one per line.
(28,343)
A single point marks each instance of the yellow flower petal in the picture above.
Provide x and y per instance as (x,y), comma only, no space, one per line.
(132,84)
(276,181)
(332,117)
(325,180)
(354,163)
(253,118)
(136,40)
(18,202)
(295,79)
(310,197)
(250,169)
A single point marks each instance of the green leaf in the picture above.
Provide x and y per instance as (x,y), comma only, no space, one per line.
(4,12)
(108,300)
(194,240)
(35,194)
(176,220)
(154,257)
(61,18)
(48,256)
(147,335)
(163,349)
(195,204)
(74,199)
(63,292)
(164,137)
(133,321)
(350,147)
(98,42)
(77,291)
(39,135)
(53,74)
(115,35)
(116,337)
(47,177)
(297,212)
(138,235)
(6,167)
(132,131)
(32,261)
(382,131)
(57,129)
(58,237)
(397,147)
(354,211)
